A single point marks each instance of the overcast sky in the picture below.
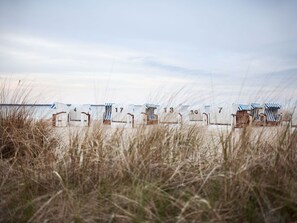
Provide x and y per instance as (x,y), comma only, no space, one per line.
(145,51)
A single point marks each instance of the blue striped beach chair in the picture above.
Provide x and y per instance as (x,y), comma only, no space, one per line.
(271,113)
(257,113)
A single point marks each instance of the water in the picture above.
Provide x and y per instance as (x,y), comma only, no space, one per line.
(36,112)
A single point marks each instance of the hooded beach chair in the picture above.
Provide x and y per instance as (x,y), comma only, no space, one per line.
(60,114)
(152,118)
(242,115)
(271,111)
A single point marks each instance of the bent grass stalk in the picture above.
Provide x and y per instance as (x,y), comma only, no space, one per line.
(157,174)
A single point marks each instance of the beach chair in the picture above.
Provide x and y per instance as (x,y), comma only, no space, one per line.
(271,111)
(196,115)
(242,115)
(173,115)
(219,114)
(60,114)
(257,114)
(79,115)
(122,115)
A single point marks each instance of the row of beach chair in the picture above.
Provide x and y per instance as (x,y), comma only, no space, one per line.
(237,115)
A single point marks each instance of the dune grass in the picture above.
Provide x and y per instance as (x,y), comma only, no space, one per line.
(151,175)
(157,174)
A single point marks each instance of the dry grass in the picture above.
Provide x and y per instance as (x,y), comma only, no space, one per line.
(157,174)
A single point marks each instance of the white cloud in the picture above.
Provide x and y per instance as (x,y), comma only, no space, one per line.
(79,72)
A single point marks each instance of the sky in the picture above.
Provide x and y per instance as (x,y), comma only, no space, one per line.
(151,51)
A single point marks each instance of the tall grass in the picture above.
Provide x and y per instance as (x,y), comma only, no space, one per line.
(156,174)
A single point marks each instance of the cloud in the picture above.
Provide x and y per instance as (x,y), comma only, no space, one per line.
(89,72)
(171,68)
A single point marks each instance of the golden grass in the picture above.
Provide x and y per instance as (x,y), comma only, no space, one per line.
(157,174)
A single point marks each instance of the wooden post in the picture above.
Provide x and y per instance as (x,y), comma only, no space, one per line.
(54,120)
(181,119)
(233,122)
(206,115)
(132,119)
(146,120)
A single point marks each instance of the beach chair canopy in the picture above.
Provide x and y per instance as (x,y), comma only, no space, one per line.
(272,106)
(244,107)
(60,107)
(256,106)
(151,106)
(271,112)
